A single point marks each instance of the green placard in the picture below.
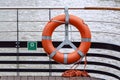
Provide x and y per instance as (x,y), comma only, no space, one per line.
(32,45)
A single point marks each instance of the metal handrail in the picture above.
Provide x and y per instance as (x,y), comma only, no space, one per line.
(61,8)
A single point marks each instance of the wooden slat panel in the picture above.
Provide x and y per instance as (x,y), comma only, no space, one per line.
(79,78)
(17,77)
(4,78)
(10,78)
(23,78)
(74,78)
(58,78)
(66,78)
(30,78)
(94,79)
(86,78)
(38,78)
(52,78)
(45,78)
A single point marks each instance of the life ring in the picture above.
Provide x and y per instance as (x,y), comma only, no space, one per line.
(75,55)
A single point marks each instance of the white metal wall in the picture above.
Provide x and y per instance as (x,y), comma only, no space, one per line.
(31,27)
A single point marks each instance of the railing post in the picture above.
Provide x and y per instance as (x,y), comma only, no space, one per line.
(17,43)
(50,65)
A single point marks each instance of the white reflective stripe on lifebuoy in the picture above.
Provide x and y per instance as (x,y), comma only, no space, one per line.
(80,53)
(65,58)
(86,40)
(52,54)
(46,37)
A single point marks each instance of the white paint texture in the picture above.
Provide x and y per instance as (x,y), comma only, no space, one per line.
(31,27)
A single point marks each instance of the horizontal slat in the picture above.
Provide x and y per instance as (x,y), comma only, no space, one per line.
(46,78)
(57,70)
(95,45)
(8,44)
(23,54)
(53,62)
(105,46)
(44,54)
(103,55)
(23,44)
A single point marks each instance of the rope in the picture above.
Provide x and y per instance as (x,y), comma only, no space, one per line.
(57,21)
(73,72)
(78,63)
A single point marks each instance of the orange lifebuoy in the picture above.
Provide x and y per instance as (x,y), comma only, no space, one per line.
(75,55)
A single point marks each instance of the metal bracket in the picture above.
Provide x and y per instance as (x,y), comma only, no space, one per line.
(66,16)
(66,23)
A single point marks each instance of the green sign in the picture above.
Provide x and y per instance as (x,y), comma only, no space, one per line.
(32,45)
